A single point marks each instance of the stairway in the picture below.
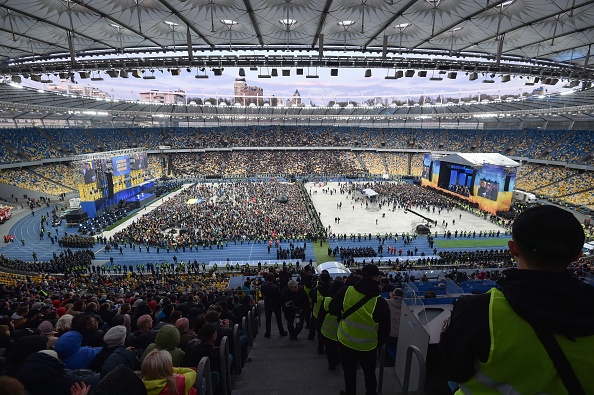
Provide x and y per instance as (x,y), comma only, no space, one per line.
(280,366)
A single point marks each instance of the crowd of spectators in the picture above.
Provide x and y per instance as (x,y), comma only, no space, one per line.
(552,144)
(77,241)
(66,262)
(64,331)
(222,212)
(57,179)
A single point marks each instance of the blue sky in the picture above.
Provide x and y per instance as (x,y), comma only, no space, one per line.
(349,84)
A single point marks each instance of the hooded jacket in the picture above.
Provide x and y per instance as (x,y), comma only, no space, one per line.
(553,301)
(168,339)
(43,374)
(72,354)
(184,378)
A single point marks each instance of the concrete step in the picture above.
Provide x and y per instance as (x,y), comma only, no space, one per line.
(283,366)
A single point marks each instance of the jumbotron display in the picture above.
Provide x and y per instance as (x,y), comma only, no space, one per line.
(485,179)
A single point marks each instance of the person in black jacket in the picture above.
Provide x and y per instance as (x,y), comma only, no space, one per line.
(295,303)
(540,296)
(272,304)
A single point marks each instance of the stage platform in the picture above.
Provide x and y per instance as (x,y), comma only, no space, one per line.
(140,199)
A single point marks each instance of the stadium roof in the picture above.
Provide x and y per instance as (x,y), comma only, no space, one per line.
(479,159)
(549,39)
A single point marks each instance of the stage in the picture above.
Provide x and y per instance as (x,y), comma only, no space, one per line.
(140,199)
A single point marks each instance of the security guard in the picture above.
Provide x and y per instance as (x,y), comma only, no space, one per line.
(328,325)
(536,334)
(363,328)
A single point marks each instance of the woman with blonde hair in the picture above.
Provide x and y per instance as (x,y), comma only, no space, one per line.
(161,378)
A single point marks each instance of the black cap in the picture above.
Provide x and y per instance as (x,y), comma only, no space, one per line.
(549,231)
(370,270)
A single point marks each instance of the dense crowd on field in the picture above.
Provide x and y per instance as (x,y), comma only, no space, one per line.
(211,214)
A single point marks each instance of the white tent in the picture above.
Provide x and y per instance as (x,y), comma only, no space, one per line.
(369,192)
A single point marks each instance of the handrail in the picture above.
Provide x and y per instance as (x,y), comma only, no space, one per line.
(422,370)
(254,322)
(203,371)
(247,328)
(224,369)
(382,364)
(237,350)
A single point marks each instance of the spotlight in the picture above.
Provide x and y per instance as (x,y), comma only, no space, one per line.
(123,73)
(136,73)
(367,73)
(35,77)
(473,76)
(84,74)
(452,75)
(399,74)
(422,73)
(63,76)
(299,72)
(286,72)
(242,72)
(409,73)
(217,71)
(175,71)
(16,79)
(505,78)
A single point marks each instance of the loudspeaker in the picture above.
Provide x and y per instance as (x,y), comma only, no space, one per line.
(452,75)
(505,78)
(367,73)
(274,73)
(286,72)
(409,73)
(109,176)
(299,72)
(422,73)
(241,72)
(334,72)
(84,74)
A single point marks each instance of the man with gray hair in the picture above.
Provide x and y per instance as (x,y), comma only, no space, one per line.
(295,302)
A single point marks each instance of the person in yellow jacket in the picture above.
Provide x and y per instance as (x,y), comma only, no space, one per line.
(161,378)
(328,325)
(363,328)
(534,335)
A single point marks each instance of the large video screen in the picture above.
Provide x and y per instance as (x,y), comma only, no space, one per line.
(488,185)
(139,161)
(120,165)
(88,171)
